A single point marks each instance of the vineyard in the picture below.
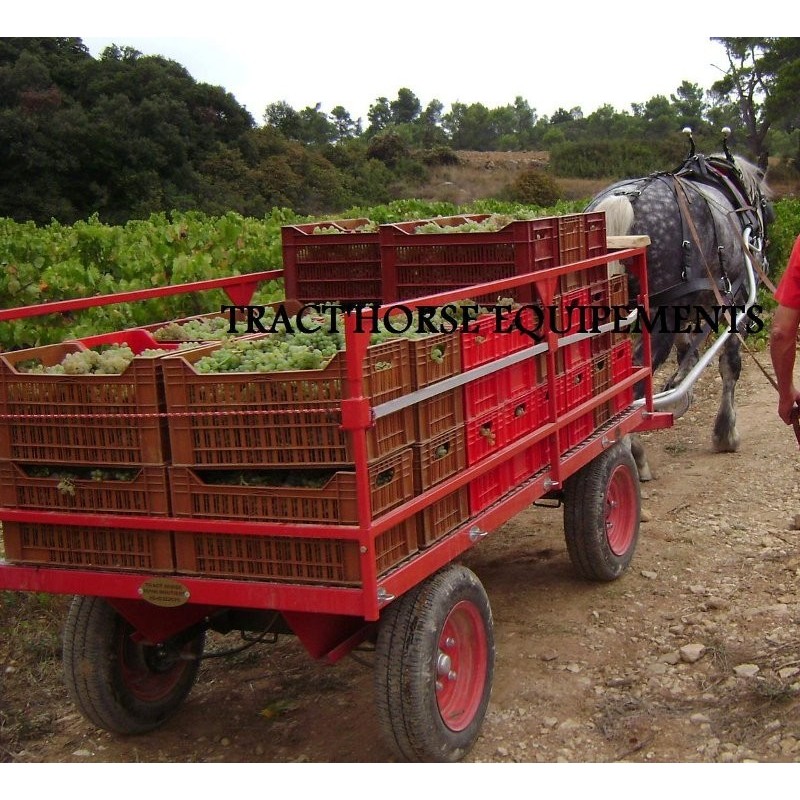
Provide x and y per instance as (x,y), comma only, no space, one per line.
(57,262)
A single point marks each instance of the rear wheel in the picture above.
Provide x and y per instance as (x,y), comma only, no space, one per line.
(434,667)
(117,683)
(602,507)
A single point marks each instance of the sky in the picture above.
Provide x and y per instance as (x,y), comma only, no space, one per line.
(553,54)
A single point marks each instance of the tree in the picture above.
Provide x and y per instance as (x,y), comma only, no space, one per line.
(343,122)
(689,106)
(749,88)
(283,118)
(406,108)
(379,116)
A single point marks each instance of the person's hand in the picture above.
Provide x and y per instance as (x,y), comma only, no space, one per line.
(789,406)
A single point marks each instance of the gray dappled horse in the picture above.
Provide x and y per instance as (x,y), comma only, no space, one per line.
(694,218)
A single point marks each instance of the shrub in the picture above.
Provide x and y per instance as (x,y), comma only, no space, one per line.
(534,187)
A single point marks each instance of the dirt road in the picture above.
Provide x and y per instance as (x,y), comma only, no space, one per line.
(692,656)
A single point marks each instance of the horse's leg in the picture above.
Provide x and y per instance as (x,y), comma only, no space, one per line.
(726,437)
(687,357)
(640,457)
(660,345)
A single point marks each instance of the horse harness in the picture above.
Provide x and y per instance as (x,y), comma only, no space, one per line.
(723,175)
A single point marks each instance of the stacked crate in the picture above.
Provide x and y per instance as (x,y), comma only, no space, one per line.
(340,261)
(84,443)
(230,428)
(501,407)
(440,450)
(416,264)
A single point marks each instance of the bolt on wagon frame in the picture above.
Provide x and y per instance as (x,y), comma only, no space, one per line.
(133,639)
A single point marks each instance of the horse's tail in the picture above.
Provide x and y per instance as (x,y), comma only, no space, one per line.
(619,214)
(619,221)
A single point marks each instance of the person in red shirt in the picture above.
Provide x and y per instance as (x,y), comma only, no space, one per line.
(783,338)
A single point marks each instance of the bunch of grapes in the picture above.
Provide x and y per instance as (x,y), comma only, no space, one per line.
(491,224)
(203,330)
(111,360)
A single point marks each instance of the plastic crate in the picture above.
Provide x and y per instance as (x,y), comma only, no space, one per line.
(443,516)
(525,414)
(519,469)
(331,266)
(621,367)
(97,420)
(571,231)
(145,492)
(416,264)
(303,423)
(573,388)
(573,355)
(521,378)
(483,395)
(595,234)
(439,414)
(97,548)
(515,339)
(434,358)
(439,458)
(618,290)
(577,432)
(391,483)
(334,562)
(570,315)
(488,488)
(482,343)
(485,435)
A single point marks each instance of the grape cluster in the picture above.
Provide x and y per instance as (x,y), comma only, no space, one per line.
(202,330)
(491,224)
(111,360)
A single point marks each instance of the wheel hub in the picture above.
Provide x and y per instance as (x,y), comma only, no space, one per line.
(461,666)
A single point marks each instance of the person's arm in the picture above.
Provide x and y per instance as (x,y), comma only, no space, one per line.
(782,348)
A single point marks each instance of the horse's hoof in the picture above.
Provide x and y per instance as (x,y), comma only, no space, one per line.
(645,474)
(727,444)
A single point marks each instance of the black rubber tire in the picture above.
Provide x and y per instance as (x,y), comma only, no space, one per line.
(420,721)
(602,510)
(117,684)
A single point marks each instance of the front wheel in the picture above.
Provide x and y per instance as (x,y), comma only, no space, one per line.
(602,508)
(434,666)
(117,683)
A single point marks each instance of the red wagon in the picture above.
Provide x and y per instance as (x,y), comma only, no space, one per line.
(425,459)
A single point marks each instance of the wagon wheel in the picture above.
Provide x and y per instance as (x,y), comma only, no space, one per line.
(434,665)
(601,514)
(117,683)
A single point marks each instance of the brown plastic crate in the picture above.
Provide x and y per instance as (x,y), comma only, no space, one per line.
(595,233)
(618,290)
(95,548)
(395,545)
(145,493)
(391,482)
(439,458)
(439,414)
(302,423)
(274,558)
(571,238)
(331,266)
(441,517)
(334,562)
(418,264)
(424,369)
(59,431)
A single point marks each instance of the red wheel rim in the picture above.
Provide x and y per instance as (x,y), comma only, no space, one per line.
(621,510)
(146,673)
(461,664)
